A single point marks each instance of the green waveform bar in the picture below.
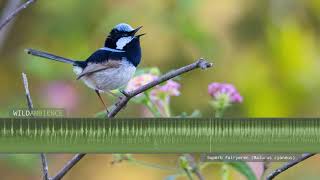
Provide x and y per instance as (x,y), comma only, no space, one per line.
(165,135)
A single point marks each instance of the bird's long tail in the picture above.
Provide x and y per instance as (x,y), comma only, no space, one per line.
(50,56)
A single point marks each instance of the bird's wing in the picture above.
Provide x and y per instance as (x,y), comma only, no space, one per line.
(101,60)
(95,67)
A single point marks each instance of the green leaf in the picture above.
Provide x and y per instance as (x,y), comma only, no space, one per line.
(155,71)
(101,114)
(196,113)
(244,169)
(183,163)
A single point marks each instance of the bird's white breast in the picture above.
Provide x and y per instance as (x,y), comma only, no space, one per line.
(109,79)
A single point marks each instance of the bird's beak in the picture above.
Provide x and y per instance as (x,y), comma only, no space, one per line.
(135,31)
(139,35)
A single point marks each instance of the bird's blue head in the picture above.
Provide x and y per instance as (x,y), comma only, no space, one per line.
(123,37)
(120,35)
(124,27)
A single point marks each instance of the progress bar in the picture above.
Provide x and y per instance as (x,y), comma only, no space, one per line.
(159,135)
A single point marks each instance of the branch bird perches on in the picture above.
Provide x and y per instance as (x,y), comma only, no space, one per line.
(121,103)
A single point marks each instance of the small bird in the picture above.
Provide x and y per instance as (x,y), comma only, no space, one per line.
(111,66)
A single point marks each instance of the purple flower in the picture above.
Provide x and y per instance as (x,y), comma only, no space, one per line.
(217,89)
(171,88)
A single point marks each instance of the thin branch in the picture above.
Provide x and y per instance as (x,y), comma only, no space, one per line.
(120,104)
(289,165)
(201,63)
(30,106)
(10,6)
(15,13)
(26,88)
(68,166)
(44,166)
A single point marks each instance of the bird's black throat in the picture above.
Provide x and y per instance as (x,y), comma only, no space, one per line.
(131,53)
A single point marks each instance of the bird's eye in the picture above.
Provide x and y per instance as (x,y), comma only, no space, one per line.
(113,31)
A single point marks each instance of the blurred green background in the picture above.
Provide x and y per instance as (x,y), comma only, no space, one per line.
(268,49)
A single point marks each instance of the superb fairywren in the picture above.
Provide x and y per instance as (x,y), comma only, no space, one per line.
(113,65)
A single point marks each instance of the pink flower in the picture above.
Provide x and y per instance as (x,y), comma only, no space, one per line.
(60,95)
(216,89)
(158,98)
(140,80)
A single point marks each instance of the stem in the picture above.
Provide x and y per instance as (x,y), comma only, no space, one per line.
(219,113)
(151,106)
(166,108)
(189,175)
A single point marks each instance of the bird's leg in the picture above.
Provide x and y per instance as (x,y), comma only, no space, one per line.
(97,91)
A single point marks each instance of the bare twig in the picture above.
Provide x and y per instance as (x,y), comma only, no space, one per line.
(44,166)
(15,13)
(68,166)
(120,104)
(26,88)
(289,165)
(30,106)
(10,6)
